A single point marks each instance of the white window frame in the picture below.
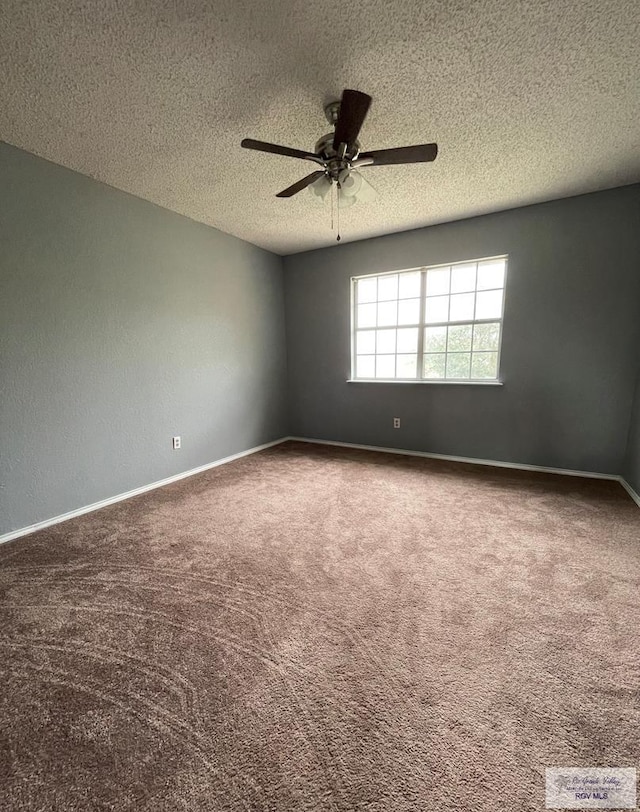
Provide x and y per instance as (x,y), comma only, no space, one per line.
(497,381)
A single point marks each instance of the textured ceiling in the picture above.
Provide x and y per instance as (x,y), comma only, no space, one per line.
(528,100)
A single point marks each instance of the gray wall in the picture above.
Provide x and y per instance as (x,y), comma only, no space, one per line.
(632,462)
(569,350)
(122,324)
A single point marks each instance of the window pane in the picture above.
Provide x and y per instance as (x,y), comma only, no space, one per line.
(435,339)
(458,364)
(408,311)
(408,339)
(462,307)
(367,315)
(365,342)
(491,274)
(387,287)
(459,339)
(385,341)
(458,308)
(484,365)
(436,309)
(489,304)
(385,366)
(367,290)
(366,366)
(387,314)
(486,336)
(406,366)
(463,278)
(433,366)
(437,281)
(409,285)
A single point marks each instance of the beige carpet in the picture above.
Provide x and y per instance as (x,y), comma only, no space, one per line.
(314,628)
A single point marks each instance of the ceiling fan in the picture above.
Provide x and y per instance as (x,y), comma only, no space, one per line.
(338,153)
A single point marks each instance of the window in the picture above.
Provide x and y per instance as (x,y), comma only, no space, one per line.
(442,323)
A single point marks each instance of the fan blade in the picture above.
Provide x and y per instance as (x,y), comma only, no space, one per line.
(276,149)
(354,107)
(300,185)
(420,153)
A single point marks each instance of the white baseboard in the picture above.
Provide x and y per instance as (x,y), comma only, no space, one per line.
(630,491)
(24,531)
(476,461)
(471,460)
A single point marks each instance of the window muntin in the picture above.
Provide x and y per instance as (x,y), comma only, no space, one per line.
(440,323)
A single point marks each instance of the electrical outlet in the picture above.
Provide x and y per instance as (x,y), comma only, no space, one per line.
(177,443)
(396,422)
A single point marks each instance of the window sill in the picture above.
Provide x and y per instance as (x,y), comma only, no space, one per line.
(437,383)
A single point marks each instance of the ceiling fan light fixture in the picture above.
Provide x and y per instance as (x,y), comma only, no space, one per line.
(366,193)
(350,183)
(353,186)
(320,188)
(345,201)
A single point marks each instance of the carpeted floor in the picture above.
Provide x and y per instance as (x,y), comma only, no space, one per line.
(316,628)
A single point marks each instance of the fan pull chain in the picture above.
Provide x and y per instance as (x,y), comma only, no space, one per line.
(331,196)
(338,209)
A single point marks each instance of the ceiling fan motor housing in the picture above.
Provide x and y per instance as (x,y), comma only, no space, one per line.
(335,164)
